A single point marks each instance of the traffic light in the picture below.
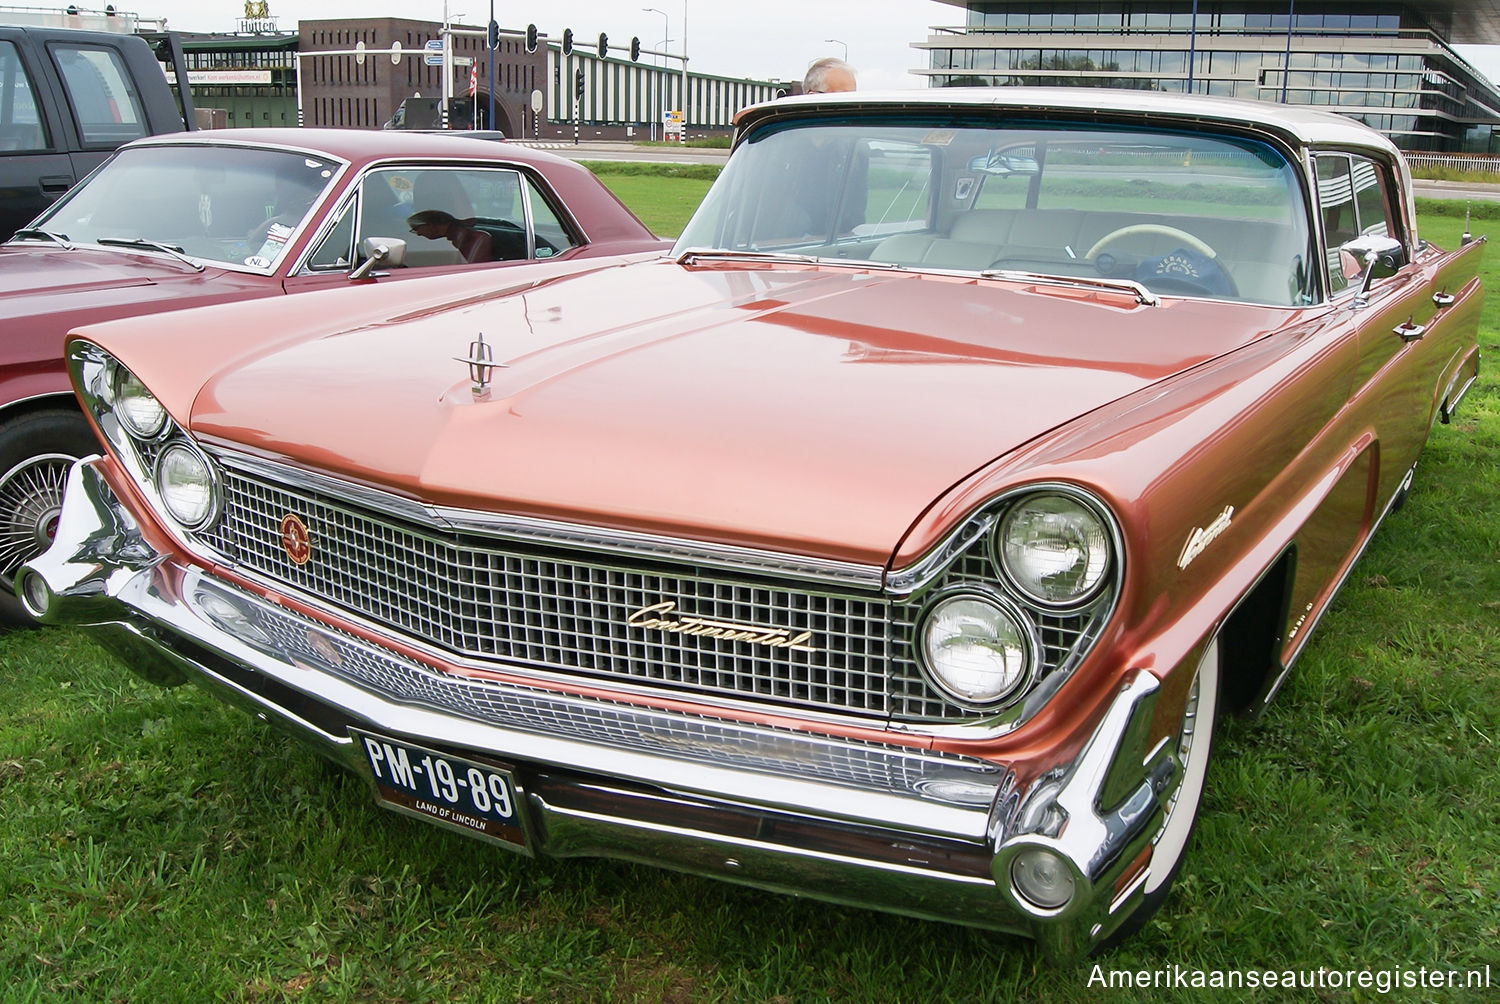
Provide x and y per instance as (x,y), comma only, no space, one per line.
(567,41)
(531,38)
(578,83)
(494,35)
(603,45)
(635,48)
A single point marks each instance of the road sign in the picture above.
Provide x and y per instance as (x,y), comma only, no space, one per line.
(432,54)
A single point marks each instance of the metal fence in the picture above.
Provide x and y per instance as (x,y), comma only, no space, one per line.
(1456,161)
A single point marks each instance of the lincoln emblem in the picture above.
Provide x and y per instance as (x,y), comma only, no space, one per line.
(295,539)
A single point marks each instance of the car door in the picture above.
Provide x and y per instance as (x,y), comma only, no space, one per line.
(1398,369)
(450,217)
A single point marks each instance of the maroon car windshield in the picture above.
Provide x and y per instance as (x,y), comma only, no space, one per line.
(1189,214)
(217,204)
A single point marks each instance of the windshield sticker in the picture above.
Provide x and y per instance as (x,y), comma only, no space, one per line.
(939,137)
(256,261)
(278,232)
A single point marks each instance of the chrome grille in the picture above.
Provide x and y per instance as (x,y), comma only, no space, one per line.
(489,600)
(569,610)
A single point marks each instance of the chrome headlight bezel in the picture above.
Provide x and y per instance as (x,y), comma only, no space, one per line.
(1027,639)
(1085,510)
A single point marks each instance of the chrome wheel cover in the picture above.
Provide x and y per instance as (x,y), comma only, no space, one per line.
(30,504)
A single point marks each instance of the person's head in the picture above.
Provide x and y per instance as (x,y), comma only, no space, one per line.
(828,75)
(430,223)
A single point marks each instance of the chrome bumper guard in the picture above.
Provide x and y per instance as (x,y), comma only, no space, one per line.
(884,826)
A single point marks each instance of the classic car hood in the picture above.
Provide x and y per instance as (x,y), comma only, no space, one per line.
(25,272)
(818,411)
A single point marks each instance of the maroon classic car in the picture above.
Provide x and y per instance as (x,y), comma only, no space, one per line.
(206,218)
(897,541)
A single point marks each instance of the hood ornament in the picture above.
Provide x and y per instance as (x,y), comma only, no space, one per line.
(482,365)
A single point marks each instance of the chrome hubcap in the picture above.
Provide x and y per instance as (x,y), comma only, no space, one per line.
(30,507)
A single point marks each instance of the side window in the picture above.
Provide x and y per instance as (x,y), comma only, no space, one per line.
(1369,198)
(1340,217)
(551,236)
(104,103)
(21,127)
(447,216)
(336,252)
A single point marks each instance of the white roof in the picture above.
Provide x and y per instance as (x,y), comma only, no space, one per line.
(1297,124)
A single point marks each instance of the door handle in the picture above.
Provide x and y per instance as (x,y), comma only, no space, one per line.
(55,184)
(1443,299)
(1410,332)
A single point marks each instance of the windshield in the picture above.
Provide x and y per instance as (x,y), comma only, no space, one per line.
(1181,214)
(233,205)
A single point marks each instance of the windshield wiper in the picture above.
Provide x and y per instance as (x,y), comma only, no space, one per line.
(141,242)
(1143,295)
(59,239)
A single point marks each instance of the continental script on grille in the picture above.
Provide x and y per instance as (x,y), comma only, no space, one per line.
(663,617)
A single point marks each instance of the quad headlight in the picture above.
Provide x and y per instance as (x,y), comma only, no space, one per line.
(1055,549)
(188,486)
(139,411)
(978,648)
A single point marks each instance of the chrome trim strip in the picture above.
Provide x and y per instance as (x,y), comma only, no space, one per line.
(556,533)
(1452,406)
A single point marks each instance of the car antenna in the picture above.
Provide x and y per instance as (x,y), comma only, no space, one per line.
(1467,238)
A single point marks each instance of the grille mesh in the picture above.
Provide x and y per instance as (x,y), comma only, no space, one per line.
(488,599)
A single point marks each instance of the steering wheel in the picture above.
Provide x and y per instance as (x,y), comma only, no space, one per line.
(1152,228)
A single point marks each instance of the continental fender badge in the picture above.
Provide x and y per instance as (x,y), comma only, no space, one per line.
(1201,537)
(295,539)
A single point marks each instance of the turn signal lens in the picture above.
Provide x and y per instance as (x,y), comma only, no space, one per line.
(1042,878)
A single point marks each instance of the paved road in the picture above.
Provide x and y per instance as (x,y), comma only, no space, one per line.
(1456,190)
(602,150)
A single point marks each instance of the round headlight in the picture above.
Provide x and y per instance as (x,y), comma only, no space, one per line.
(1042,878)
(139,410)
(188,487)
(1054,549)
(977,650)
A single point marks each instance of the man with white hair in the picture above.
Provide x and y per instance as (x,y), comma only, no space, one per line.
(828,75)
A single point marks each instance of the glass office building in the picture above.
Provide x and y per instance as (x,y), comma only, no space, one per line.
(1389,65)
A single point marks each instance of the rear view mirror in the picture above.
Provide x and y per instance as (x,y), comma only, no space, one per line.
(1379,257)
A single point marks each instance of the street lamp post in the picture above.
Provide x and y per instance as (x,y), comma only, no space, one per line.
(661,98)
(840,42)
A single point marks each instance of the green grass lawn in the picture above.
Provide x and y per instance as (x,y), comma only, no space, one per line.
(158,846)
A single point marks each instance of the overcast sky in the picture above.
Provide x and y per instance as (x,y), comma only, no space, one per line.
(759,38)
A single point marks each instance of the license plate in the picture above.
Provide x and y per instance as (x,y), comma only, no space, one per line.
(473,798)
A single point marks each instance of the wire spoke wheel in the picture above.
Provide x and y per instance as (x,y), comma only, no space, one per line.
(30,504)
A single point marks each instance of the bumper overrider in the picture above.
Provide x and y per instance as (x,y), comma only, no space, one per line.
(889,827)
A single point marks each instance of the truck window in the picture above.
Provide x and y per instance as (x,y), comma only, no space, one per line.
(104,102)
(21,127)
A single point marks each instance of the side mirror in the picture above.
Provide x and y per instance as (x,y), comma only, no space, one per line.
(387,251)
(1379,256)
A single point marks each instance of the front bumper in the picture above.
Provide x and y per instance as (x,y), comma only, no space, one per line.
(884,826)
